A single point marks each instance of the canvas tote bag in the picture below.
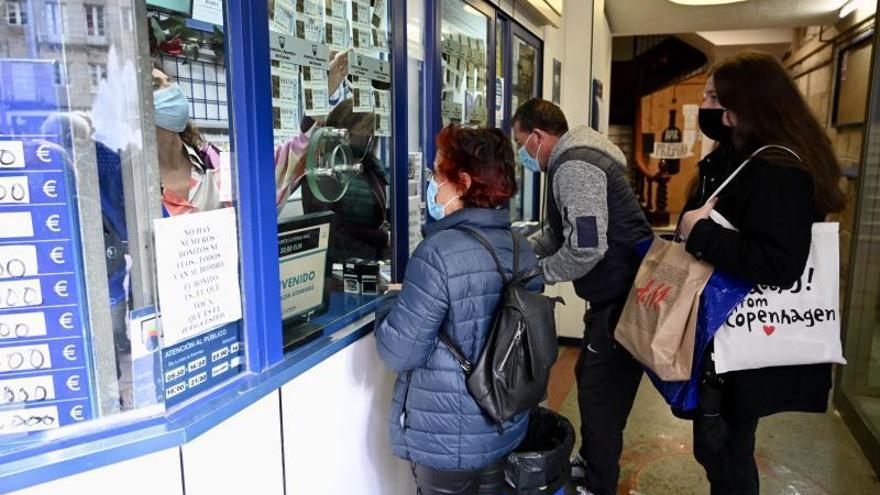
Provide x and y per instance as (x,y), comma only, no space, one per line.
(787,327)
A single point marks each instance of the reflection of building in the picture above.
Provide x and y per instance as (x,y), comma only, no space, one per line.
(76,34)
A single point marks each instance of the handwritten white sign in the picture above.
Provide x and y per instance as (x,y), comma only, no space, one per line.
(671,151)
(197,265)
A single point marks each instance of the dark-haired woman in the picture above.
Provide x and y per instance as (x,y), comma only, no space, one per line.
(452,286)
(750,101)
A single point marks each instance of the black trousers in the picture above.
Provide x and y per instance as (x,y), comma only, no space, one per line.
(607,378)
(730,467)
(486,481)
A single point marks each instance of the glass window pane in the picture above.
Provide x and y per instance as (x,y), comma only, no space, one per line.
(73,120)
(464,33)
(332,123)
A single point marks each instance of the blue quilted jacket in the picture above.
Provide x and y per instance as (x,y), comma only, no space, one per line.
(451,285)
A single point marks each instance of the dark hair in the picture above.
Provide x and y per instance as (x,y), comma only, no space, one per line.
(360,125)
(192,136)
(770,109)
(541,114)
(484,154)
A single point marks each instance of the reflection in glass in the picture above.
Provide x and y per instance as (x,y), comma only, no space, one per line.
(331,113)
(861,377)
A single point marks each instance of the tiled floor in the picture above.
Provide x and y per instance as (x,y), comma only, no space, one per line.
(798,454)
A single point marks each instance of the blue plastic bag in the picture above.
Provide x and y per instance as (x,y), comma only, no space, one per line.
(723,292)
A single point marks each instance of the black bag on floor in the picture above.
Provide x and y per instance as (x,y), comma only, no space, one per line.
(540,465)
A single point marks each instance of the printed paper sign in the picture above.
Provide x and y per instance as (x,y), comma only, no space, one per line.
(360,11)
(291,50)
(336,9)
(360,65)
(337,34)
(210,11)
(197,266)
(310,28)
(302,256)
(283,16)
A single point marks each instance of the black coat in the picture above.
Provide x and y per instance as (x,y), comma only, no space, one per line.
(772,203)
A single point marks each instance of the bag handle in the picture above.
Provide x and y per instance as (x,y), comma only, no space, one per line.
(730,178)
(746,162)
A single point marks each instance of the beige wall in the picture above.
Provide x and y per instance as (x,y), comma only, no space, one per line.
(812,65)
(655,118)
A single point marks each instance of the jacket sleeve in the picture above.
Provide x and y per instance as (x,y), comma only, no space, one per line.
(581,193)
(407,336)
(773,241)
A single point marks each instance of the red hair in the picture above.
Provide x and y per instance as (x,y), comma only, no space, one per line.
(486,155)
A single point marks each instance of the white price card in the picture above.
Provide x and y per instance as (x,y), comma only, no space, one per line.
(18,261)
(14,190)
(22,325)
(27,420)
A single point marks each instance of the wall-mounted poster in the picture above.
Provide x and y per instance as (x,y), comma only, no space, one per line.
(852,80)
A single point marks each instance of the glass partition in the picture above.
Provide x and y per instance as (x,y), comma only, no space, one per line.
(859,380)
(119,251)
(464,33)
(331,104)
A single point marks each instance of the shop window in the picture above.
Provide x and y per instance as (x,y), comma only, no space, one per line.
(464,33)
(16,13)
(331,114)
(119,248)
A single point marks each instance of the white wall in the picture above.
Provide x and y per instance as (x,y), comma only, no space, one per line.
(602,50)
(576,70)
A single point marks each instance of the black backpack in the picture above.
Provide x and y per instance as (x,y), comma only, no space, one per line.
(512,372)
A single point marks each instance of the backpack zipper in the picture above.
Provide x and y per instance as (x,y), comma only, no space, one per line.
(520,327)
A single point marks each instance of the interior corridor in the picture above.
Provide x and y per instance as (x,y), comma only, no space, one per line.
(798,454)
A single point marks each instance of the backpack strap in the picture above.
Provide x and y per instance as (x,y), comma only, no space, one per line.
(488,245)
(466,365)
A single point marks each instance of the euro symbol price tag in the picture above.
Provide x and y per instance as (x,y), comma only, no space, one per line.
(53,223)
(76,413)
(44,154)
(61,288)
(57,255)
(69,352)
(73,383)
(50,188)
(66,321)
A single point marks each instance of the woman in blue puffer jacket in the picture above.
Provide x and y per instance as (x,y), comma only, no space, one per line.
(452,285)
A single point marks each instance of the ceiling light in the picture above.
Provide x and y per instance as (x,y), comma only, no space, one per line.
(704,2)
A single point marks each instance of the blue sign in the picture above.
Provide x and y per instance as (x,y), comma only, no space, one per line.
(197,364)
(45,377)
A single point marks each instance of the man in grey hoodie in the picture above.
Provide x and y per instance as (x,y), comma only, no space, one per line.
(593,225)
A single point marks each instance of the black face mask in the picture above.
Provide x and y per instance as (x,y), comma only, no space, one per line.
(712,124)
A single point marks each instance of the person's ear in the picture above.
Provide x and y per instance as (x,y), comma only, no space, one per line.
(466,181)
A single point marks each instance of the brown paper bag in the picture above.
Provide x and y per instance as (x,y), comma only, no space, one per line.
(659,321)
